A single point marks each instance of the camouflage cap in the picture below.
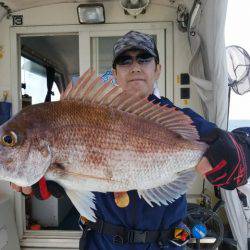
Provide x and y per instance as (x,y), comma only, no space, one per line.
(135,40)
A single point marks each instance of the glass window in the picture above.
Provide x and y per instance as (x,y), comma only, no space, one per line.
(34,82)
(50,214)
(56,93)
(102,53)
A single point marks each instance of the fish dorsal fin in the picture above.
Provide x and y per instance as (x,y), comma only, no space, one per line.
(90,89)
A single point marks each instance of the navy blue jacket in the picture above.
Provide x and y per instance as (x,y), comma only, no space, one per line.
(138,214)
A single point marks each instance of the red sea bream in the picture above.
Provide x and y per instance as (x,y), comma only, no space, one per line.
(96,138)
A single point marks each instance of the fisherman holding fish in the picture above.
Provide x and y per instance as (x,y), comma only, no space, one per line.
(145,208)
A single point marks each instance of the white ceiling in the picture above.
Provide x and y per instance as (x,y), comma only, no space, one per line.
(16,5)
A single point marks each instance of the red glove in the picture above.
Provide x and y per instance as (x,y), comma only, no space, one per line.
(229,155)
(44,189)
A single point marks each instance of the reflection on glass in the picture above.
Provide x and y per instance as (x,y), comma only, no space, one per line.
(102,48)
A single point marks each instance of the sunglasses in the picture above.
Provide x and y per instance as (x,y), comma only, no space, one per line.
(126,60)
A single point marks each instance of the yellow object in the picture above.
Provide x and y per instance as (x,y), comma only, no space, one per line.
(1,52)
(84,220)
(178,232)
(178,79)
(121,199)
(185,101)
(5,95)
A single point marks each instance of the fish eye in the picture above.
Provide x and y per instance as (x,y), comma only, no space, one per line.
(9,139)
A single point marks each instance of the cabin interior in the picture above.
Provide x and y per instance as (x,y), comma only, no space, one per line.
(37,37)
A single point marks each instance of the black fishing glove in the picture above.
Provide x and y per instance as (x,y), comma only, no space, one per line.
(229,155)
(44,189)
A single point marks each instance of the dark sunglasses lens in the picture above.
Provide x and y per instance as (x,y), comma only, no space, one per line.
(128,60)
(123,60)
(144,57)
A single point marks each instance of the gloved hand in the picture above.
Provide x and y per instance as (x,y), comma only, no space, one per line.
(229,155)
(44,189)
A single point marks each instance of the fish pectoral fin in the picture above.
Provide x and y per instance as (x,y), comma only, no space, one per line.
(84,203)
(167,194)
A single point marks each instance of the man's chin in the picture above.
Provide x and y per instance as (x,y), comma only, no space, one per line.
(138,92)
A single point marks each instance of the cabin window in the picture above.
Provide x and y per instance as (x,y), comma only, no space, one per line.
(51,214)
(34,83)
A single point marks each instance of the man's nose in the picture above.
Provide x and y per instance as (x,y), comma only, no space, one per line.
(135,67)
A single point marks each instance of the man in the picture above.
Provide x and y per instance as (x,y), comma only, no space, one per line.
(133,224)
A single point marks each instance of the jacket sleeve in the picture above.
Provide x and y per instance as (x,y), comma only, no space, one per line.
(203,126)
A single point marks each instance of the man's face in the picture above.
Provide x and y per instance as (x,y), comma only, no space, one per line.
(136,72)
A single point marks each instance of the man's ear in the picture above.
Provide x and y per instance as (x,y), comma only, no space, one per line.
(157,71)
